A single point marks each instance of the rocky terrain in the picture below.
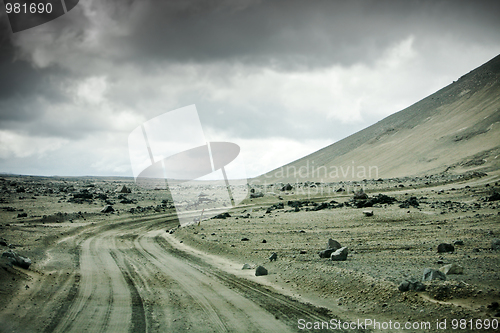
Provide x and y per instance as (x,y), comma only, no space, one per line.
(392,231)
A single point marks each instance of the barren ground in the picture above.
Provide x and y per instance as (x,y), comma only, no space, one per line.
(122,271)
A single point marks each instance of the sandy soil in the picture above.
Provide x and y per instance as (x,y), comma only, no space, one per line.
(122,271)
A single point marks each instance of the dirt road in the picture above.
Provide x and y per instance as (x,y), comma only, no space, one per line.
(124,276)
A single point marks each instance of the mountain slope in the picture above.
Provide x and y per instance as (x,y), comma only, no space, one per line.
(455,129)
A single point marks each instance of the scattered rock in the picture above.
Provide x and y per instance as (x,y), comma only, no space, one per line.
(287,187)
(17,260)
(22,215)
(125,190)
(432,274)
(412,201)
(303,252)
(445,247)
(333,244)
(321,206)
(326,253)
(222,216)
(458,242)
(256,195)
(411,285)
(273,256)
(260,271)
(339,255)
(245,239)
(452,269)
(368,212)
(493,305)
(494,197)
(264,241)
(360,195)
(107,209)
(384,199)
(246,266)
(495,244)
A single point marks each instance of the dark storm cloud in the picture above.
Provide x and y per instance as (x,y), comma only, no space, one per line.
(21,84)
(284,33)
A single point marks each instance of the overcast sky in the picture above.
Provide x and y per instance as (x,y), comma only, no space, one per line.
(281,79)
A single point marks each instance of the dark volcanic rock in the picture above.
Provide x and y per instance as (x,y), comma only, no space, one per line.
(445,247)
(222,216)
(273,256)
(412,201)
(326,253)
(321,206)
(384,199)
(260,271)
(256,195)
(17,260)
(494,197)
(107,209)
(368,212)
(125,190)
(411,285)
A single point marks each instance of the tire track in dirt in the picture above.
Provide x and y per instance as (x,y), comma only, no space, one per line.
(281,306)
(138,320)
(234,309)
(131,280)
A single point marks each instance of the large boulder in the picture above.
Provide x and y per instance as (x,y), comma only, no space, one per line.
(273,256)
(339,255)
(17,260)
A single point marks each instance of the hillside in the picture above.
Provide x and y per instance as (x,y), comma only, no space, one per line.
(455,129)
